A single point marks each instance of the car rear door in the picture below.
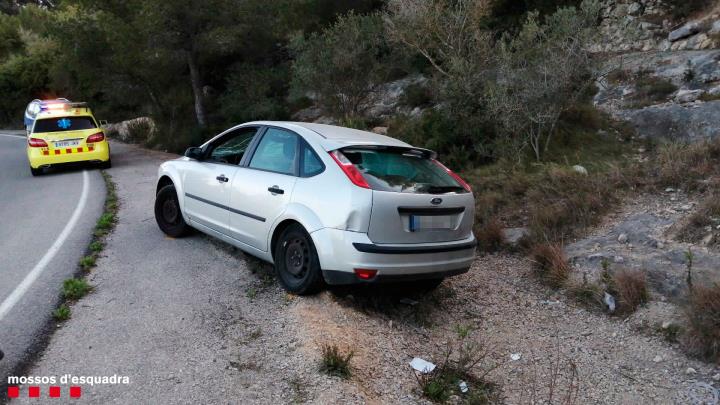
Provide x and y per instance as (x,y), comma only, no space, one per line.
(207,182)
(262,188)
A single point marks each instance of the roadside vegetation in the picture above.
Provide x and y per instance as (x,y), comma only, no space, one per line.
(76,288)
(335,362)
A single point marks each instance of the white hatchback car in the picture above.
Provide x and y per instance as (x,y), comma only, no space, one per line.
(323,203)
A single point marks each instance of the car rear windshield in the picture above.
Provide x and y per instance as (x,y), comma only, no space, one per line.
(402,171)
(63,124)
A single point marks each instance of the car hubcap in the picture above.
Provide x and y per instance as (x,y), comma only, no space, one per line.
(296,258)
(170,211)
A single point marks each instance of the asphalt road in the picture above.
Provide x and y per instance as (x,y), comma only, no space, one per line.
(46,224)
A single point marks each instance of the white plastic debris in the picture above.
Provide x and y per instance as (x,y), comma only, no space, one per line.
(463,387)
(515,356)
(422,366)
(610,302)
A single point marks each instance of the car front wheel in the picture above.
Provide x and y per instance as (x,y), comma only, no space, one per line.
(296,262)
(167,213)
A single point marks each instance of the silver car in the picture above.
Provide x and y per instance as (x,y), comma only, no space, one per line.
(325,204)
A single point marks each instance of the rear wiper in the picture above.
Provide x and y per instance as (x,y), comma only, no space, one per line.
(443,189)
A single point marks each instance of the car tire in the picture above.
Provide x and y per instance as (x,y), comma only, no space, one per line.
(106,165)
(296,262)
(36,172)
(168,215)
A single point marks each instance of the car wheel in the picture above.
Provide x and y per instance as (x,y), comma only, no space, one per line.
(36,172)
(167,213)
(106,165)
(296,262)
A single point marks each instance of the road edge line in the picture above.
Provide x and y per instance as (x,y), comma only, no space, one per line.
(19,291)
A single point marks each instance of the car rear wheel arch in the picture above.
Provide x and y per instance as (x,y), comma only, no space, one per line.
(278,231)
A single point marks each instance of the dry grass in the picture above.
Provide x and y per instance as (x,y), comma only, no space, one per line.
(490,236)
(703,315)
(631,289)
(551,264)
(686,166)
(707,214)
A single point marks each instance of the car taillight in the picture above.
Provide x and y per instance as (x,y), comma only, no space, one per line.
(365,274)
(99,137)
(454,175)
(37,143)
(349,169)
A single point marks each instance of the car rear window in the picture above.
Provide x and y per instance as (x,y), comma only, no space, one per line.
(402,171)
(63,124)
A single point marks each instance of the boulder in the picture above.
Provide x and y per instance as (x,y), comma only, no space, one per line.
(688,96)
(715,29)
(635,9)
(690,122)
(685,31)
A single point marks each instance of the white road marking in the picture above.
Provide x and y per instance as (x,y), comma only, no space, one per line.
(22,288)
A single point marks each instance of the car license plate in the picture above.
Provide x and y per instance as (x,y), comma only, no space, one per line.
(66,144)
(418,222)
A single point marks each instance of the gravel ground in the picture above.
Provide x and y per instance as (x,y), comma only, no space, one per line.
(191,321)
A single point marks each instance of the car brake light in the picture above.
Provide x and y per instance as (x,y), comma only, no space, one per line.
(454,175)
(99,137)
(37,143)
(349,169)
(365,274)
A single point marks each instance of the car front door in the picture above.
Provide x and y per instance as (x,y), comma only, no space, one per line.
(262,188)
(207,182)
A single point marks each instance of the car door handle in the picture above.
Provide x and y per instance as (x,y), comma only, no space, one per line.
(276,190)
(221,178)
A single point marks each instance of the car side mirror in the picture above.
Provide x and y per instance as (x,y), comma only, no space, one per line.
(194,153)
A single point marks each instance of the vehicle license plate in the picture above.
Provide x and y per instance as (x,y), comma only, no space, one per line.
(418,222)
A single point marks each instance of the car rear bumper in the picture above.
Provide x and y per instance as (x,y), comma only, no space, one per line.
(44,157)
(341,252)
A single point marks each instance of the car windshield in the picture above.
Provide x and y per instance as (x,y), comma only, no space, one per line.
(403,171)
(58,124)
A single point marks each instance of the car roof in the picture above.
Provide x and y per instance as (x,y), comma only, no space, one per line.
(332,137)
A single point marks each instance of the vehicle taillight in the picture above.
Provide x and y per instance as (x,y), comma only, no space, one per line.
(99,137)
(454,175)
(37,143)
(365,274)
(349,169)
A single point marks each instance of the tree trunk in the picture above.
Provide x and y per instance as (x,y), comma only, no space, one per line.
(196,83)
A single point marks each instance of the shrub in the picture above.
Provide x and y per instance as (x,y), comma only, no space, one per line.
(651,90)
(63,313)
(588,294)
(682,165)
(680,9)
(707,214)
(490,236)
(75,288)
(334,362)
(416,95)
(631,289)
(343,64)
(551,264)
(703,315)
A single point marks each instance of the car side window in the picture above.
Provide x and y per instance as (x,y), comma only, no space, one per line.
(311,164)
(276,152)
(231,148)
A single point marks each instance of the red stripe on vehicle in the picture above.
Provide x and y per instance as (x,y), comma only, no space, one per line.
(54,392)
(79,149)
(45,152)
(34,392)
(75,392)
(57,151)
(68,150)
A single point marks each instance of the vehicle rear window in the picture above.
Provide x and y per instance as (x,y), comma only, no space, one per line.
(63,124)
(402,171)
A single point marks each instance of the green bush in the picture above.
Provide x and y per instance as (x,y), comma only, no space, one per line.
(75,288)
(343,64)
(416,95)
